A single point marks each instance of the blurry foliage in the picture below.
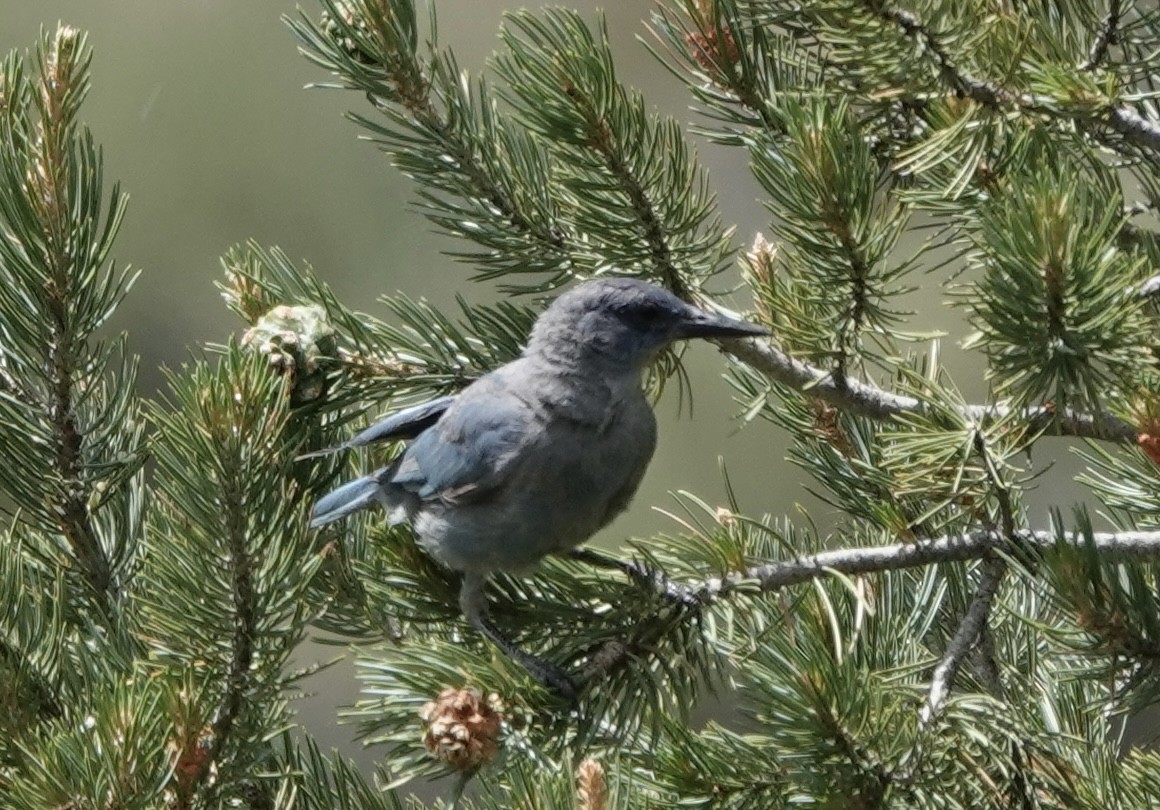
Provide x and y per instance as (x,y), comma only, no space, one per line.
(158,573)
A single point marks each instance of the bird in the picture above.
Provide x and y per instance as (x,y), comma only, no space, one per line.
(534,457)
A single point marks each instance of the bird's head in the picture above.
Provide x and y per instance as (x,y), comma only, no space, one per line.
(625,322)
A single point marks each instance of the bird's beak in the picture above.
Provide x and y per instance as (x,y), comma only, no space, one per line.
(701,324)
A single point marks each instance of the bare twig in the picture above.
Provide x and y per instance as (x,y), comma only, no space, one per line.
(974,623)
(951,548)
(981,544)
(963,641)
(1109,27)
(1135,127)
(863,399)
(986,664)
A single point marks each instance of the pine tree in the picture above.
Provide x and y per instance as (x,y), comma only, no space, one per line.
(935,647)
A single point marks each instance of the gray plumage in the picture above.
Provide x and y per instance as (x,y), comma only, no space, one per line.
(536,456)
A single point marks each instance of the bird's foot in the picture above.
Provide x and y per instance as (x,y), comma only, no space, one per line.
(675,593)
(548,675)
(552,677)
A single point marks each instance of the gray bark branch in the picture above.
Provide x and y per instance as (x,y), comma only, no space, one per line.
(864,399)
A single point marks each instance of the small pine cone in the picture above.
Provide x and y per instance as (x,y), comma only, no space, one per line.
(296,341)
(462,728)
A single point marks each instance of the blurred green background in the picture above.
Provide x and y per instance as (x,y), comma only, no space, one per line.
(201,111)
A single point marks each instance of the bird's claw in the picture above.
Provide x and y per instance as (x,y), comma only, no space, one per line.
(675,593)
(555,679)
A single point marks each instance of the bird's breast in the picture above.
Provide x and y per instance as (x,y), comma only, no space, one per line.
(596,467)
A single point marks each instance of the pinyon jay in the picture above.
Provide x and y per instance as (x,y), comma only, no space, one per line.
(534,457)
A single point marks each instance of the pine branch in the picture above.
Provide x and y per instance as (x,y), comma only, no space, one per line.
(988,545)
(73,508)
(852,322)
(913,27)
(737,66)
(866,399)
(62,80)
(1109,27)
(648,221)
(482,178)
(947,549)
(71,433)
(1137,129)
(238,676)
(969,631)
(245,626)
(974,622)
(224,587)
(639,199)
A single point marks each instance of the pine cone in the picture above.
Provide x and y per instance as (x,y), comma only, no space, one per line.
(296,341)
(462,728)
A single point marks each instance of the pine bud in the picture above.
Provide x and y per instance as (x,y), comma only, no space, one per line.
(713,50)
(340,30)
(245,294)
(591,790)
(760,262)
(1147,419)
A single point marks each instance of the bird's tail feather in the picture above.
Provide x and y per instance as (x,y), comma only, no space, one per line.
(360,494)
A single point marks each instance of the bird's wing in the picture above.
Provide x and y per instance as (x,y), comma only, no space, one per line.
(472,448)
(405,424)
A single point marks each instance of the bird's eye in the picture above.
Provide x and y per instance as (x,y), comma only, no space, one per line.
(646,316)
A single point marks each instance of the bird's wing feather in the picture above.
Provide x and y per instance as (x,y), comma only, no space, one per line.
(405,424)
(472,448)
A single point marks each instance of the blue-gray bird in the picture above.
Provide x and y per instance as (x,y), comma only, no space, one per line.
(536,456)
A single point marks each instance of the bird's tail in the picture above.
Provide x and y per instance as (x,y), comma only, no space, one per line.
(361,494)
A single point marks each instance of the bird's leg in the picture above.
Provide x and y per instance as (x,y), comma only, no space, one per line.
(473,603)
(644,576)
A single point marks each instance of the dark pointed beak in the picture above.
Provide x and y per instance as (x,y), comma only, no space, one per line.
(701,324)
